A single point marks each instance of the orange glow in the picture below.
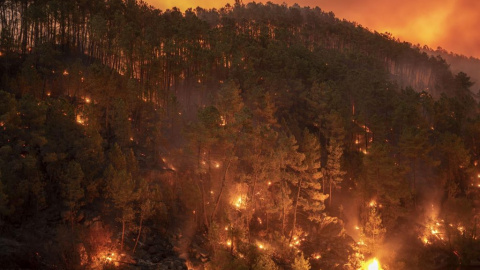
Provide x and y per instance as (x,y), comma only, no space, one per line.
(373,265)
(80,119)
(238,202)
(432,23)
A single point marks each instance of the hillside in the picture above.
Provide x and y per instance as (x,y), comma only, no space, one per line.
(460,63)
(256,136)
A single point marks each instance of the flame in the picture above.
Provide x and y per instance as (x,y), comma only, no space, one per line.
(80,119)
(223,122)
(373,265)
(238,202)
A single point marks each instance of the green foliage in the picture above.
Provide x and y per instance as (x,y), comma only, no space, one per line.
(288,103)
(71,187)
(300,263)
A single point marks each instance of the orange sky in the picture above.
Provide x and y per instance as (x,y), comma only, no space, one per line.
(451,24)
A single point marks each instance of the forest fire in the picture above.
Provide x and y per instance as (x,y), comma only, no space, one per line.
(243,181)
(373,265)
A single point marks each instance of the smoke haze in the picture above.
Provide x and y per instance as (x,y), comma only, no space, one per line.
(450,24)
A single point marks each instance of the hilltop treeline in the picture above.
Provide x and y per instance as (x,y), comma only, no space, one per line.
(270,136)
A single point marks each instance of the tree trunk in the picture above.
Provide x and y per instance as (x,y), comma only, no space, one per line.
(123,233)
(283,210)
(139,232)
(330,199)
(295,209)
(224,178)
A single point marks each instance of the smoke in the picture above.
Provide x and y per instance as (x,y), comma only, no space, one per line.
(450,24)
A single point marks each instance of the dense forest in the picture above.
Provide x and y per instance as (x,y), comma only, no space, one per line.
(459,63)
(255,136)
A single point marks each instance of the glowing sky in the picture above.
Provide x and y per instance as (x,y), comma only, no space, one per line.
(451,24)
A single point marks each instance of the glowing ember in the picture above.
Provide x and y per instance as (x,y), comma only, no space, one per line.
(374,265)
(372,203)
(229,243)
(87,100)
(238,202)
(226,228)
(80,119)
(65,72)
(259,220)
(357,228)
(217,165)
(260,246)
(269,183)
(48,94)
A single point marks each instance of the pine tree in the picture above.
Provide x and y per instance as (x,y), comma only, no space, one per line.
(312,199)
(71,188)
(300,263)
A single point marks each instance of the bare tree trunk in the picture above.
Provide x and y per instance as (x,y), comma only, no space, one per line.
(123,233)
(139,232)
(283,210)
(330,199)
(295,208)
(224,178)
